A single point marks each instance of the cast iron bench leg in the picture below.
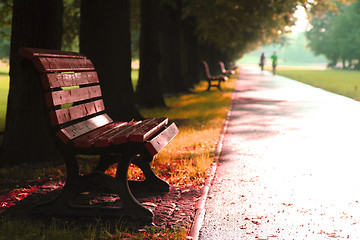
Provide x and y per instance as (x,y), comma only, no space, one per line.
(209,86)
(66,204)
(218,86)
(152,181)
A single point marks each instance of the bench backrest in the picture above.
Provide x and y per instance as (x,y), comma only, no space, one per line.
(206,70)
(222,66)
(72,90)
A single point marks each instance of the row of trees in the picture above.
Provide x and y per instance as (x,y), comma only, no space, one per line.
(174,36)
(336,34)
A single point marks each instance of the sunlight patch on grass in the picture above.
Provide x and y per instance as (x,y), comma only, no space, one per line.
(200,117)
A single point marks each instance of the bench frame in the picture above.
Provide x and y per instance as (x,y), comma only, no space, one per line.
(217,79)
(224,70)
(85,128)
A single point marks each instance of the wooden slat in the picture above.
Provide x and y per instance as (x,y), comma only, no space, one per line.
(79,111)
(45,65)
(121,136)
(222,66)
(206,70)
(219,77)
(88,140)
(69,133)
(72,95)
(162,139)
(57,80)
(30,53)
(148,129)
(107,139)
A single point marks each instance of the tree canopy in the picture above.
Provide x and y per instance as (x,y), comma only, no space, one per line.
(336,34)
(237,26)
(232,26)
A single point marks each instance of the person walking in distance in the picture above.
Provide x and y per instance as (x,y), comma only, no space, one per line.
(262,61)
(274,62)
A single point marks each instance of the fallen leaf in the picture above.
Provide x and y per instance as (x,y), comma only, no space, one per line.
(150,204)
(262,237)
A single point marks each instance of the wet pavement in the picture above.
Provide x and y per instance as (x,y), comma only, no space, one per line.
(289,166)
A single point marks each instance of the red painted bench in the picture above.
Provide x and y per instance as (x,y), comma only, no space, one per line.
(211,79)
(224,70)
(73,97)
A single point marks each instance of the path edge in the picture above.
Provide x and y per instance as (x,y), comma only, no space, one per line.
(200,204)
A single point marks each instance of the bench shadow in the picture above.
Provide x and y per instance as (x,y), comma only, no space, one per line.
(168,208)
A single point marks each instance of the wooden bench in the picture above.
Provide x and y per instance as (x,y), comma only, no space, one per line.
(217,79)
(78,119)
(224,70)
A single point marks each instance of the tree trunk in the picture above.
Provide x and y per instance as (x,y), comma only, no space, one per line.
(212,55)
(105,39)
(38,24)
(148,90)
(172,79)
(190,58)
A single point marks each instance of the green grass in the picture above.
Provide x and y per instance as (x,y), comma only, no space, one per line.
(346,83)
(134,77)
(4,89)
(22,229)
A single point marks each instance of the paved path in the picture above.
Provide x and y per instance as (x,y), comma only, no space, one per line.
(290,163)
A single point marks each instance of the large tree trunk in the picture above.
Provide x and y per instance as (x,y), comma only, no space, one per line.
(190,57)
(148,90)
(172,79)
(105,39)
(38,24)
(211,55)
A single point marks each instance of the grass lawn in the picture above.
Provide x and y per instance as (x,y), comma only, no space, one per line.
(346,83)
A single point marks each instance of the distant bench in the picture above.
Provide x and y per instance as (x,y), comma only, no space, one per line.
(226,72)
(82,126)
(211,79)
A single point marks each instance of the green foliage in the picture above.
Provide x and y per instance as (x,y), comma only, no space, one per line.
(71,25)
(5,27)
(4,47)
(336,34)
(5,17)
(236,26)
(135,28)
(320,40)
